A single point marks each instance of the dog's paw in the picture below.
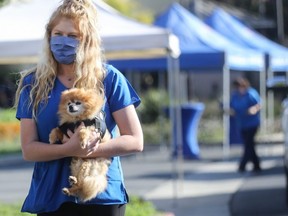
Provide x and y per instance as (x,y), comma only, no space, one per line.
(66,191)
(52,138)
(72,180)
(55,136)
(84,135)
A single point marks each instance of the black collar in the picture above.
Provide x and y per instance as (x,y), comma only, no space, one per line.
(98,121)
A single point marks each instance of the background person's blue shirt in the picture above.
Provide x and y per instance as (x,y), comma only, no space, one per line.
(241,103)
(45,193)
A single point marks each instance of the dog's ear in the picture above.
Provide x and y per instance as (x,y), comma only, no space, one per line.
(65,92)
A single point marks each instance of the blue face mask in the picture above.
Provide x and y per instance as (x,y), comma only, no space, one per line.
(64,49)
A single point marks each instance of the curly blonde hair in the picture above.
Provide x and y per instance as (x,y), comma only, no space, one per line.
(89,71)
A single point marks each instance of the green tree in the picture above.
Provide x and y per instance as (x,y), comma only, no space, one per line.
(3,2)
(132,9)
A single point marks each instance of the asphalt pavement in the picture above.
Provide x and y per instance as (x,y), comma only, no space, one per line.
(205,187)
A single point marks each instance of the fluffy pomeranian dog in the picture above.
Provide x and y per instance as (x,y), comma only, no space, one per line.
(88,176)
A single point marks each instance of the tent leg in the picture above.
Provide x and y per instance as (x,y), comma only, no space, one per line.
(175,117)
(226,116)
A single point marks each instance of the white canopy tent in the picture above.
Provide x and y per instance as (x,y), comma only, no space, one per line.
(23,23)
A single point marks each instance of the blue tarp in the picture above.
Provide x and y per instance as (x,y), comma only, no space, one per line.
(233,29)
(201,47)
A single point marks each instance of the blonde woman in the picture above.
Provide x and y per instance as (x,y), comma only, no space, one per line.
(72,58)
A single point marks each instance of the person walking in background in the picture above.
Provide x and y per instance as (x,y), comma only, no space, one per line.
(245,106)
(72,58)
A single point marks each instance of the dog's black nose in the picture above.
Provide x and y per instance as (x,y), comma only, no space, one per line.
(72,108)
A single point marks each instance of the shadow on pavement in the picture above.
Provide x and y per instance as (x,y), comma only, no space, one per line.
(14,162)
(211,205)
(261,195)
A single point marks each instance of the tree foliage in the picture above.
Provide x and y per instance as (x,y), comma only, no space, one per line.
(3,2)
(132,9)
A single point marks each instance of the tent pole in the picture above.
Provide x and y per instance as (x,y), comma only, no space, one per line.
(226,108)
(172,121)
(263,101)
(280,20)
(171,100)
(161,78)
(176,123)
(270,100)
(263,111)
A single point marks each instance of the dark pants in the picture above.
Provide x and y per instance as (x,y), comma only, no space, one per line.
(248,136)
(73,209)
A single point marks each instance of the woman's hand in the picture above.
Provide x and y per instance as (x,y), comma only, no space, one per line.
(73,141)
(253,109)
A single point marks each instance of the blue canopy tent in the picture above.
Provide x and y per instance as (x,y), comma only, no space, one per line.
(202,49)
(233,29)
(276,54)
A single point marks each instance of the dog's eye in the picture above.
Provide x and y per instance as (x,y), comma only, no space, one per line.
(69,103)
(78,103)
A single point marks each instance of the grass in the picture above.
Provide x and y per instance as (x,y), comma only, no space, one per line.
(11,210)
(136,207)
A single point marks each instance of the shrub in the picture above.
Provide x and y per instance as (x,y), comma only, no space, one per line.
(210,131)
(157,133)
(153,104)
(8,115)
(156,128)
(9,125)
(140,207)
(9,131)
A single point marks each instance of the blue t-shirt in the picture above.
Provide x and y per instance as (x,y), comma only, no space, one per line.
(45,194)
(241,103)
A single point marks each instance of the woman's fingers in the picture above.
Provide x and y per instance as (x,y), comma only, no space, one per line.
(69,133)
(93,139)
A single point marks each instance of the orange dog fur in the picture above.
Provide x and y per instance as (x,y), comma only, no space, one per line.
(88,176)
